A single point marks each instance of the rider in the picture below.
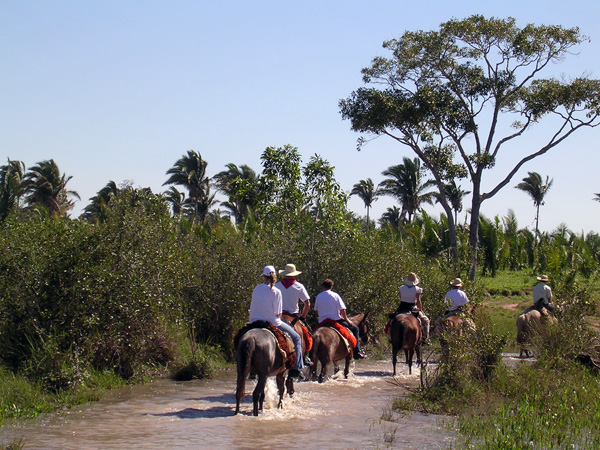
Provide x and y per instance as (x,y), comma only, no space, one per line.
(542,295)
(293,291)
(330,305)
(266,305)
(456,298)
(410,301)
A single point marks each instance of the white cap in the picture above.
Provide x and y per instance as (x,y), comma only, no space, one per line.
(267,270)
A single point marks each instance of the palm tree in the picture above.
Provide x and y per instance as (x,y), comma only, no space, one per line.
(176,199)
(404,182)
(455,195)
(96,210)
(44,186)
(533,185)
(11,177)
(240,186)
(190,172)
(367,193)
(392,216)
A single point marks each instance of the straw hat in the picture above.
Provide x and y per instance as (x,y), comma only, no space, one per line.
(412,279)
(457,282)
(289,271)
(543,278)
(267,270)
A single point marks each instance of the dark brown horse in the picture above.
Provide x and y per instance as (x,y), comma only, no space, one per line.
(329,347)
(258,353)
(406,334)
(306,345)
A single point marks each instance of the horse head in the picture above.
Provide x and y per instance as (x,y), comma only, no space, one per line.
(362,322)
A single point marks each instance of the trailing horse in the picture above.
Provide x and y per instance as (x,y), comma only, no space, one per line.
(329,347)
(258,353)
(452,327)
(406,334)
(530,322)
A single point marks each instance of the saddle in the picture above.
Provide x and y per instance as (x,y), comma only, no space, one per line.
(284,342)
(342,330)
(305,331)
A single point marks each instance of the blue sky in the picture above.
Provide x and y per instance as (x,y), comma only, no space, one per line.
(119,90)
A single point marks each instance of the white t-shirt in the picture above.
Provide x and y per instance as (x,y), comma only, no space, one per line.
(408,294)
(291,295)
(329,304)
(266,304)
(456,298)
(541,290)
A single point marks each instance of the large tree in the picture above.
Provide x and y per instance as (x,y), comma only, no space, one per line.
(405,183)
(452,95)
(366,191)
(537,190)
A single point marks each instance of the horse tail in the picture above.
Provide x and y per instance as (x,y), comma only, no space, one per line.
(244,359)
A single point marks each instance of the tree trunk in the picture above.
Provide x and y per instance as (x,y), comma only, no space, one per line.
(474,233)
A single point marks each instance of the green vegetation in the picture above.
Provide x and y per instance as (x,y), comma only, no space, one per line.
(547,403)
(146,284)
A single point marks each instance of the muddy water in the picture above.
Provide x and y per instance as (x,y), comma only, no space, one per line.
(340,414)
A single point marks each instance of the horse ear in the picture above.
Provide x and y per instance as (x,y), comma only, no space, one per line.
(366,315)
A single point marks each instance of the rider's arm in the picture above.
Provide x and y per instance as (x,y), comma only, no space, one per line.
(305,308)
(344,316)
(418,302)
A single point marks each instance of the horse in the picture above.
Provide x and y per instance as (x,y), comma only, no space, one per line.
(328,347)
(530,322)
(258,353)
(452,327)
(306,345)
(406,334)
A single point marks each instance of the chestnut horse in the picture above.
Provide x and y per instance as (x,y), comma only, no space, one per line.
(258,353)
(406,334)
(329,347)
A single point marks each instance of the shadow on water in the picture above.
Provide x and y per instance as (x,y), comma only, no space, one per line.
(195,413)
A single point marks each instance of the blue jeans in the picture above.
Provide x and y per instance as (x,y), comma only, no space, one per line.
(297,344)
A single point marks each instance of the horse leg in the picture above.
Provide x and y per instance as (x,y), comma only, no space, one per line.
(409,359)
(347,367)
(336,367)
(289,385)
(324,369)
(258,395)
(281,388)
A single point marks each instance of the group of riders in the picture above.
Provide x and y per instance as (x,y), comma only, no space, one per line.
(271,299)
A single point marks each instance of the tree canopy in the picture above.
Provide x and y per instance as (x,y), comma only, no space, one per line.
(459,95)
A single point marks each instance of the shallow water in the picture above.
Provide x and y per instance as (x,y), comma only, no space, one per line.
(340,414)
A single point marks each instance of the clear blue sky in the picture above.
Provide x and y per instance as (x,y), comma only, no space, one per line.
(119,90)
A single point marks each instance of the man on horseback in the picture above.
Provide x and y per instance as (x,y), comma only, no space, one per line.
(410,302)
(456,298)
(293,291)
(330,305)
(266,305)
(542,295)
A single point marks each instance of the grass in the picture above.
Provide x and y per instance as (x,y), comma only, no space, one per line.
(20,397)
